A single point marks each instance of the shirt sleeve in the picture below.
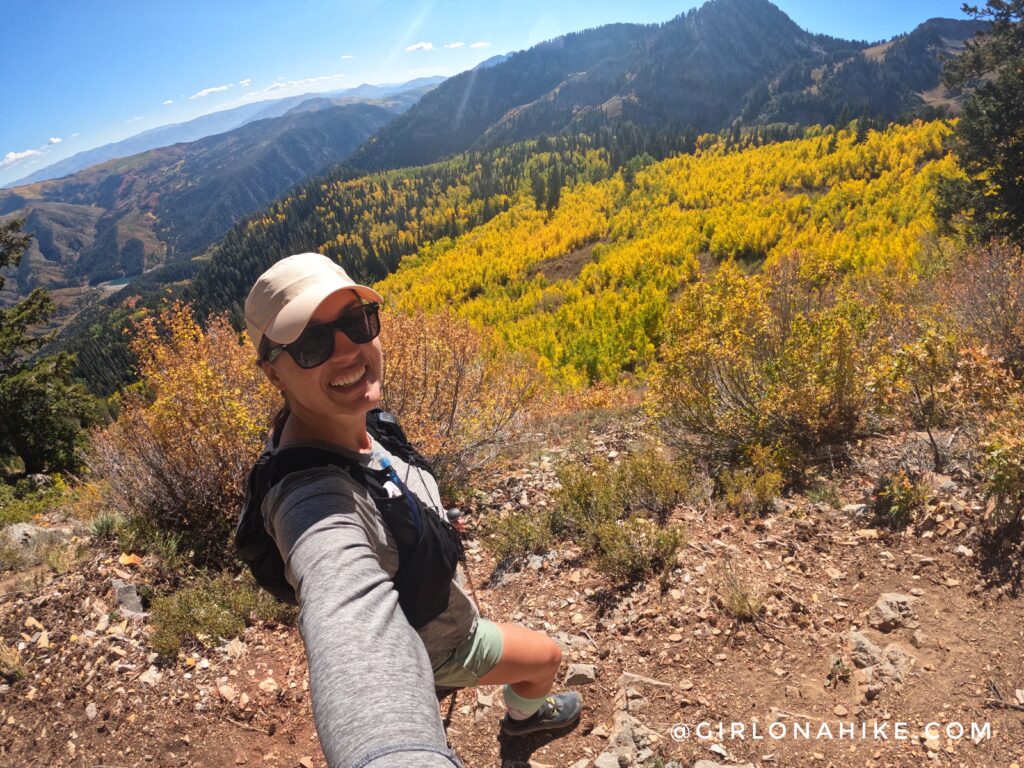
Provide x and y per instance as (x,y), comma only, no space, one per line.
(371,682)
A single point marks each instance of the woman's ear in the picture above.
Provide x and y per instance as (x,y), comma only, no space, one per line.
(271,374)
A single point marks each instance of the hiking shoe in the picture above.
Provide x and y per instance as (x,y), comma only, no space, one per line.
(560,710)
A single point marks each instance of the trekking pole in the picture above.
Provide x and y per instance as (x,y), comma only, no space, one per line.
(455,518)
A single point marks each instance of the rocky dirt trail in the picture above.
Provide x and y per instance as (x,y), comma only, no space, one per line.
(866,633)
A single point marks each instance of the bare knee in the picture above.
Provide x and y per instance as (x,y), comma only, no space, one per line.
(553,658)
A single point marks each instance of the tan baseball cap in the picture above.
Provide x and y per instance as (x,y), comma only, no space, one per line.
(286,296)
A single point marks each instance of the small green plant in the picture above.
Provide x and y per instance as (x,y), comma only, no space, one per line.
(104,525)
(838,672)
(651,484)
(749,491)
(11,667)
(899,499)
(825,491)
(211,610)
(140,534)
(632,549)
(585,501)
(61,557)
(740,599)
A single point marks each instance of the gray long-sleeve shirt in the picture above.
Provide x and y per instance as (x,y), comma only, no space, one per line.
(370,673)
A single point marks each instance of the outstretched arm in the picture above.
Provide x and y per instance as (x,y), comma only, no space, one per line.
(370,677)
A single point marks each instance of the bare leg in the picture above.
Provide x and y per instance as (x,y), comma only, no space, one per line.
(529,661)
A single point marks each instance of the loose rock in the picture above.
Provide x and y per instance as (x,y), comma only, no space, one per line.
(891,611)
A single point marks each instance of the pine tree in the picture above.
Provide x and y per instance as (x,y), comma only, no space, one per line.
(990,133)
(42,410)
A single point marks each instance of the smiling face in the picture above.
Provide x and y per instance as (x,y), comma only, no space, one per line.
(329,402)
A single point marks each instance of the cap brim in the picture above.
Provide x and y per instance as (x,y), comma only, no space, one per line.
(291,320)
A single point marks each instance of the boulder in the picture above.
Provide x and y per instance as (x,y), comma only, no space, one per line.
(28,542)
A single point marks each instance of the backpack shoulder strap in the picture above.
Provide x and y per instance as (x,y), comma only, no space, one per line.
(388,432)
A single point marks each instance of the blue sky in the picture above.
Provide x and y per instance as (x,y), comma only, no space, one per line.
(81,73)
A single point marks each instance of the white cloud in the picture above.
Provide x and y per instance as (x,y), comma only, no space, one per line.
(208,91)
(420,47)
(245,83)
(16,157)
(135,119)
(54,140)
(346,56)
(74,135)
(281,88)
(169,101)
(481,44)
(455,45)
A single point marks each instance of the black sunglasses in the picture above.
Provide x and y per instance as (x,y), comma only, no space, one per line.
(316,344)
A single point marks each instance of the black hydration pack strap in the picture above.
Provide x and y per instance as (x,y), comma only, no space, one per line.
(429,548)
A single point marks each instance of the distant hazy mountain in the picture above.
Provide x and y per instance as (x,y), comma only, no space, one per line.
(402,94)
(135,213)
(728,59)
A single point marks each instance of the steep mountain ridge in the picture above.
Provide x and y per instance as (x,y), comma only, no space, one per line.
(703,70)
(172,202)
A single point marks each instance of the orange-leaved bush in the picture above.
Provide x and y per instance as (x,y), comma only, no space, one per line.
(772,359)
(460,396)
(178,455)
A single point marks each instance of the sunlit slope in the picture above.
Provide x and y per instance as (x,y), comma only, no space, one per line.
(586,287)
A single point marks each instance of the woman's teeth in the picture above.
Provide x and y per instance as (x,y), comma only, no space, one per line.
(346,382)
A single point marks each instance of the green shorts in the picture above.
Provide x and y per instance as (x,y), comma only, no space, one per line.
(471,660)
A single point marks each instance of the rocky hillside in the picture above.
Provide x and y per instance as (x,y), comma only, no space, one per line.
(856,625)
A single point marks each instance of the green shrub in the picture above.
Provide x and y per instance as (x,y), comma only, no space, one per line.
(585,501)
(617,513)
(520,534)
(212,610)
(104,525)
(649,483)
(21,502)
(632,549)
(1003,471)
(899,499)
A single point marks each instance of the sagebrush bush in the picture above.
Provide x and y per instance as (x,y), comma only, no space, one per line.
(460,397)
(521,533)
(617,513)
(632,549)
(774,359)
(210,611)
(180,450)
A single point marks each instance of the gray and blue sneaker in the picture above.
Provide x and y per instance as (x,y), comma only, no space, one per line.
(559,710)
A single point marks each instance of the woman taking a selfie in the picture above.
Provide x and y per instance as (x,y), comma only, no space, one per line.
(372,674)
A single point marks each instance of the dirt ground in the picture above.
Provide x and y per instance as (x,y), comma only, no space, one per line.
(94,694)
